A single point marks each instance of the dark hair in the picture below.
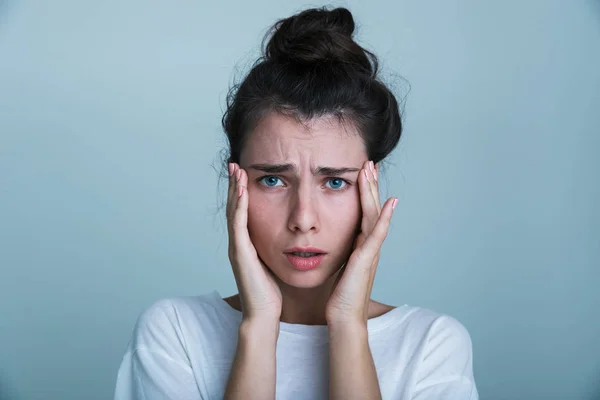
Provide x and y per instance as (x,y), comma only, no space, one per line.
(312,67)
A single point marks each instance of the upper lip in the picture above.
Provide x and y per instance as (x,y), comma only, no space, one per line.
(304,250)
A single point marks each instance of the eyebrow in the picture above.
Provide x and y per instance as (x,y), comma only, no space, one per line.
(281,168)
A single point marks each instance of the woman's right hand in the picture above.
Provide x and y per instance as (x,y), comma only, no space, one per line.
(260,295)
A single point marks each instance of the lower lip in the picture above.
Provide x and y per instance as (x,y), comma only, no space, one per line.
(305,263)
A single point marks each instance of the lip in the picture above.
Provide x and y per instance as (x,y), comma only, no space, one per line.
(305,250)
(305,263)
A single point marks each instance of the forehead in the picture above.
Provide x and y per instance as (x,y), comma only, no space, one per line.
(320,141)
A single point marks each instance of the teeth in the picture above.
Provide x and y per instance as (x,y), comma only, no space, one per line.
(302,254)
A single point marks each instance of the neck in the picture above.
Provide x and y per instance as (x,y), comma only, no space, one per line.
(305,306)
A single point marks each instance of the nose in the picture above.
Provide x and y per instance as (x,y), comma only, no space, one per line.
(303,217)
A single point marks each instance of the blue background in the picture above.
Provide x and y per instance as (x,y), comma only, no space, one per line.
(109,199)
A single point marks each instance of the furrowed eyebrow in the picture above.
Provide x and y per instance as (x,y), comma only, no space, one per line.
(323,171)
(273,168)
(329,171)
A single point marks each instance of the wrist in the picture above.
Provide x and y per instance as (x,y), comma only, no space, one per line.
(347,329)
(257,331)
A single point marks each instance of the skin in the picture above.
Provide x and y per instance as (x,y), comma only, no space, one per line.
(304,209)
(305,184)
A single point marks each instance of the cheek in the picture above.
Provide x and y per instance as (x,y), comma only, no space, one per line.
(344,214)
(262,218)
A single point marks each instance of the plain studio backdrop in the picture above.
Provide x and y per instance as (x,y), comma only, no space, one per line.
(109,199)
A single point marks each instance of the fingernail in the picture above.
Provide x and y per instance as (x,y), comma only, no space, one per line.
(240,191)
(230,166)
(366,175)
(238,175)
(394,203)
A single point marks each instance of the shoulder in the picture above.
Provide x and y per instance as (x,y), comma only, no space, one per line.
(435,329)
(429,322)
(447,336)
(442,343)
(443,356)
(157,362)
(427,334)
(171,320)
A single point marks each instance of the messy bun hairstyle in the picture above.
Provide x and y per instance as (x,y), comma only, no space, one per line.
(312,67)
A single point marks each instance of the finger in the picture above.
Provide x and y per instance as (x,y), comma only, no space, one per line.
(370,212)
(231,191)
(243,180)
(375,187)
(240,212)
(239,222)
(242,199)
(340,273)
(373,242)
(234,194)
(376,171)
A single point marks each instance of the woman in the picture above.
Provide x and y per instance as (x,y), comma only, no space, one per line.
(307,129)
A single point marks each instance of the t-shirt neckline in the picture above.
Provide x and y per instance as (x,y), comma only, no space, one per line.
(373,325)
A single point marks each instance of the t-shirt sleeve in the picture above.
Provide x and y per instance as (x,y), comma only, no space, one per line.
(446,368)
(156,365)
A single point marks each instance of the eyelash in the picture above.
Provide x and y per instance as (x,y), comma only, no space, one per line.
(346,183)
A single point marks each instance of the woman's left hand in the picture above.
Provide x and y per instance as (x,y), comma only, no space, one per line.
(351,294)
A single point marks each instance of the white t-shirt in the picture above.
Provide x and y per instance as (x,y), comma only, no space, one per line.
(183,348)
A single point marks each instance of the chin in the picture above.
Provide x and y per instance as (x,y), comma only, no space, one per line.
(303,280)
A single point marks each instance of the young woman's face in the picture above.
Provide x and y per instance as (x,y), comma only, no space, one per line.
(296,196)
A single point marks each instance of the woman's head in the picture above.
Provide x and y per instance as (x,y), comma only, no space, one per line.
(309,108)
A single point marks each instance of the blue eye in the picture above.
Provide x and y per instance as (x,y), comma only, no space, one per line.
(337,183)
(270,181)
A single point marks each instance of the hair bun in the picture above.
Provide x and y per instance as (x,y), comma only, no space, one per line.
(314,36)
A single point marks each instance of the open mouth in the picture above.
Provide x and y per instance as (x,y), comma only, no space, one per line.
(304,254)
(304,259)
